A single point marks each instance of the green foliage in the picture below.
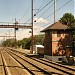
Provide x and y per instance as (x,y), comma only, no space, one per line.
(9,42)
(38,39)
(25,43)
(19,43)
(68,19)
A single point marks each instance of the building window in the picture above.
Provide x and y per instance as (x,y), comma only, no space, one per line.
(54,32)
(58,34)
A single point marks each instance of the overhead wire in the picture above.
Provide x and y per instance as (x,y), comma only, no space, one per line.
(17,5)
(44,6)
(42,3)
(47,9)
(24,14)
(57,9)
(20,19)
(41,9)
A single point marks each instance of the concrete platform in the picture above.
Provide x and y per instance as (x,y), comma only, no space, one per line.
(53,58)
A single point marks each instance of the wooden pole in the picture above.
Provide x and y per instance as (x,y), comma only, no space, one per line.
(32,26)
(54,10)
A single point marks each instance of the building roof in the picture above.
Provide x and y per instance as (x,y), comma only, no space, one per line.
(57,26)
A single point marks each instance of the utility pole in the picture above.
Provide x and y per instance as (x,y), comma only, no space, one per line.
(54,19)
(6,35)
(54,10)
(32,25)
(15,30)
(9,34)
(16,23)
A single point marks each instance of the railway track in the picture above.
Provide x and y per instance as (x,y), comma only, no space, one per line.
(2,66)
(40,71)
(48,61)
(12,67)
(59,64)
(53,65)
(56,66)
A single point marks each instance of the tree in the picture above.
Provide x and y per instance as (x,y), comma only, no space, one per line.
(9,42)
(68,19)
(38,39)
(26,43)
(19,43)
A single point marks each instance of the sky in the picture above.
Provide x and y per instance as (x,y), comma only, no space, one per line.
(21,10)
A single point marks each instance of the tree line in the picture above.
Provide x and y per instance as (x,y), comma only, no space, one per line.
(24,43)
(67,19)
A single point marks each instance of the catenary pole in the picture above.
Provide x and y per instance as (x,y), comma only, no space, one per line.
(32,25)
(15,30)
(54,19)
(54,10)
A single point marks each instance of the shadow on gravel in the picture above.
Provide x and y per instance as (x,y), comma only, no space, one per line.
(15,67)
(34,55)
(1,65)
(66,64)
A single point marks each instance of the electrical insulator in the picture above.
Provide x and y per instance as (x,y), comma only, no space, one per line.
(30,31)
(34,14)
(35,21)
(16,28)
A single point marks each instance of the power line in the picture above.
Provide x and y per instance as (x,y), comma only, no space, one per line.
(46,25)
(17,5)
(24,14)
(44,6)
(57,10)
(6,22)
(46,10)
(41,9)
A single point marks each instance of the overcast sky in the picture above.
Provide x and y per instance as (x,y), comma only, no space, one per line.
(21,10)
